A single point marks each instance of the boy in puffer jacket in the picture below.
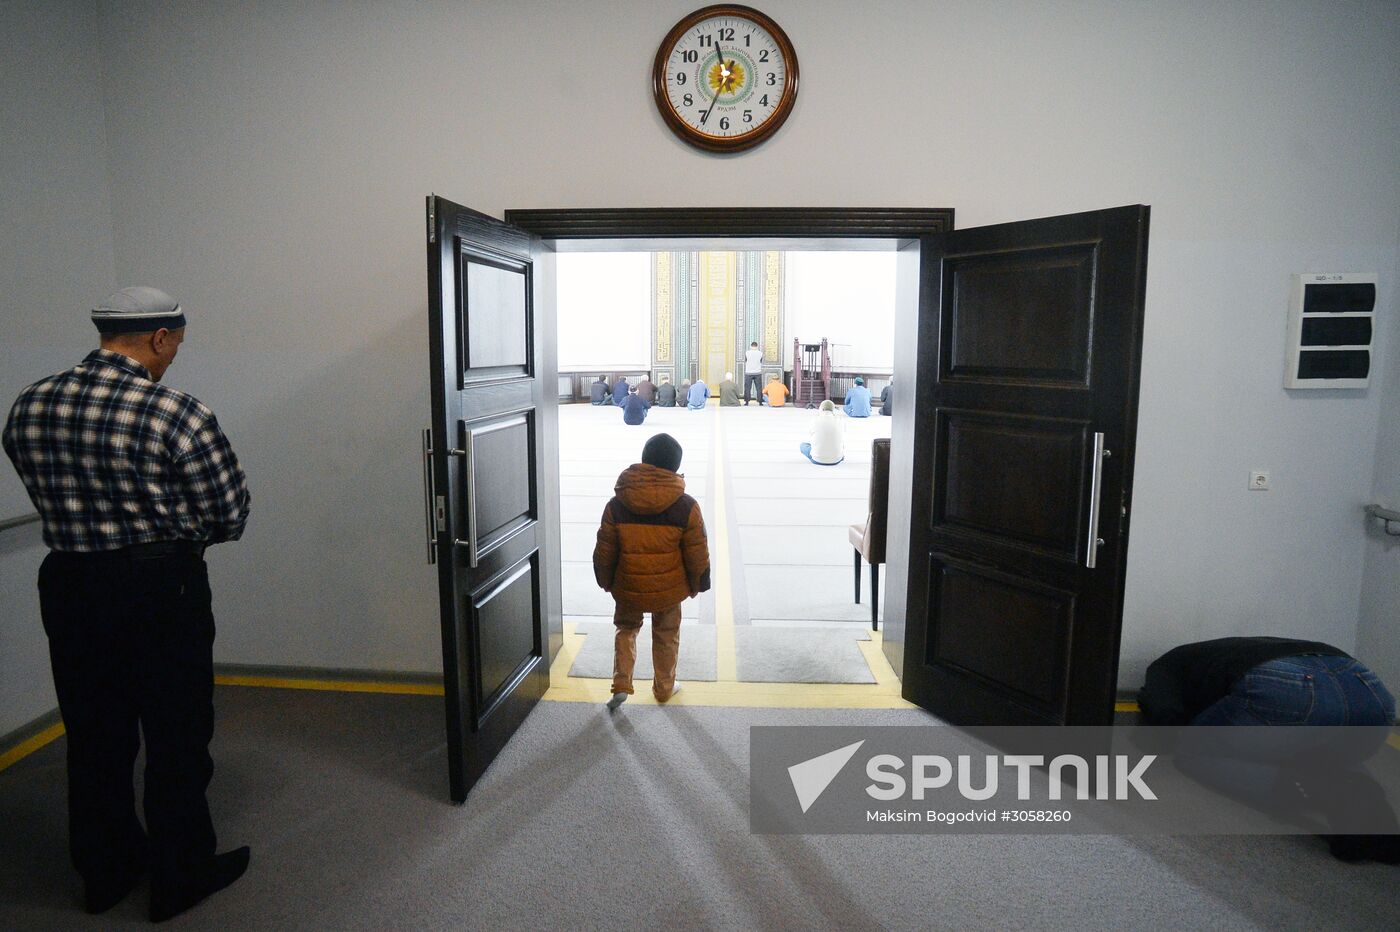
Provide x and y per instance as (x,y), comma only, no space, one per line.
(651,555)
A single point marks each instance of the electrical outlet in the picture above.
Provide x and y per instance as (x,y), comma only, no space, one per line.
(1258,481)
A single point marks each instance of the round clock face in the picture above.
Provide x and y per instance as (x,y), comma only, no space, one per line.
(725,78)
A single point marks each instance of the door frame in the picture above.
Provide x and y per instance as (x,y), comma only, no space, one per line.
(906,225)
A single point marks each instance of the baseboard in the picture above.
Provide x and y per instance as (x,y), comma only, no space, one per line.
(28,738)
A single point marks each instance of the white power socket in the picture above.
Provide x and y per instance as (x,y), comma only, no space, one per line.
(1259,481)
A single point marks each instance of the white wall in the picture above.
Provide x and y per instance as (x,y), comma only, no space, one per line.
(269,162)
(55,264)
(1378,636)
(604,309)
(846,298)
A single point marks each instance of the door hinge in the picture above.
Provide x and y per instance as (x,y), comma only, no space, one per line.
(432,218)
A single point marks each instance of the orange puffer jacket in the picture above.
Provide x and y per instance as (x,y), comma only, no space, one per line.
(651,552)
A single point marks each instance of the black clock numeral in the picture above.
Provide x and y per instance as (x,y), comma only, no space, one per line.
(772,79)
(724,122)
(688,100)
(680,77)
(748,116)
(762,54)
(747,37)
(707,39)
(763,101)
(692,55)
(726,34)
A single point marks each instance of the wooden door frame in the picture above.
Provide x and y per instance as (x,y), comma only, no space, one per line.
(906,225)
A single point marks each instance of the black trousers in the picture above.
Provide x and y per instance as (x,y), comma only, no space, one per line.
(131,641)
(754,379)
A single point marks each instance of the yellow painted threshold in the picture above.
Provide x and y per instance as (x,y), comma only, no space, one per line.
(29,745)
(339,686)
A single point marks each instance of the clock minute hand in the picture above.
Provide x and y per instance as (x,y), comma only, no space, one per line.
(719,59)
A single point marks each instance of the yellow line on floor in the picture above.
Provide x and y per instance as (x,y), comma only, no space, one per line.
(727,665)
(339,686)
(28,746)
(1126,705)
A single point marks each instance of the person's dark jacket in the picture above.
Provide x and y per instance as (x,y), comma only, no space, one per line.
(599,392)
(620,389)
(1185,681)
(887,401)
(646,390)
(634,409)
(651,552)
(666,395)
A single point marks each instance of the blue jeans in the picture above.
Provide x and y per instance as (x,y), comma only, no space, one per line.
(1258,764)
(806,449)
(1305,690)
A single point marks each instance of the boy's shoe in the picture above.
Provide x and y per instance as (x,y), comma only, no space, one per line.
(616,700)
(674,689)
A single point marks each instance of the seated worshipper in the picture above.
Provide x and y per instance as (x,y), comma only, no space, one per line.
(666,393)
(1282,682)
(651,556)
(828,446)
(887,399)
(647,390)
(858,399)
(776,392)
(728,392)
(620,390)
(634,409)
(600,393)
(699,395)
(683,396)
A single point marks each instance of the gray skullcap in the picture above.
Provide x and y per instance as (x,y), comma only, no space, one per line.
(138,310)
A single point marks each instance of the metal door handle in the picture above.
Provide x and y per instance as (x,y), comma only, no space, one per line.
(468,454)
(1092,546)
(428,493)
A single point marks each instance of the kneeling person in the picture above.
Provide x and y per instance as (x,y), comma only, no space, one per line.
(651,555)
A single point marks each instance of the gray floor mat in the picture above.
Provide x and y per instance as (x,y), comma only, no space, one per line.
(696,660)
(583,597)
(812,593)
(801,655)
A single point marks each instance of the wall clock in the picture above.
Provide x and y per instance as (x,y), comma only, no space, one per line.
(725,78)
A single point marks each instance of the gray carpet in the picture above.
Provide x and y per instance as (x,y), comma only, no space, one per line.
(800,655)
(812,593)
(639,819)
(696,660)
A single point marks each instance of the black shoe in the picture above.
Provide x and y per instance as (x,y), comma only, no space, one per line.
(100,897)
(226,869)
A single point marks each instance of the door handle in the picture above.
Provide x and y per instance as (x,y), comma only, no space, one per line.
(468,455)
(428,496)
(1092,545)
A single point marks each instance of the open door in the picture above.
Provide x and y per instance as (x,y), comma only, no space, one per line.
(490,464)
(1025,414)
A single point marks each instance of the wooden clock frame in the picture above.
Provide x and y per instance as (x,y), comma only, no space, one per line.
(704,140)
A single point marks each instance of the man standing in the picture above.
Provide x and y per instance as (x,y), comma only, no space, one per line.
(753,372)
(133,481)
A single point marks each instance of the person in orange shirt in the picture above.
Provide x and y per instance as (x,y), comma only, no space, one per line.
(776,392)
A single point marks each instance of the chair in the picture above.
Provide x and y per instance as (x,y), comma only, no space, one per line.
(868,539)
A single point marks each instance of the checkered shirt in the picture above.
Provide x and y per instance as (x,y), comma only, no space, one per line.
(111,458)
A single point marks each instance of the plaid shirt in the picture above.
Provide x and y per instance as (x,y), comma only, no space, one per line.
(112,458)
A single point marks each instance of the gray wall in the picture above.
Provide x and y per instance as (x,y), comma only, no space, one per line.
(1378,636)
(269,160)
(55,261)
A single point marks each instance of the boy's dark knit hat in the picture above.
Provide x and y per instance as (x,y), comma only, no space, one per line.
(662,451)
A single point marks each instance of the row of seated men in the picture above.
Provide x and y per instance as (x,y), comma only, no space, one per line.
(697,394)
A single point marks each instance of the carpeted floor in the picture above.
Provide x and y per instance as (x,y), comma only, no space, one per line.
(637,820)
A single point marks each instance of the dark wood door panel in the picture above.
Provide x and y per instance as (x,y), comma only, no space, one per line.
(494,316)
(1011,480)
(504,498)
(1014,634)
(1021,316)
(505,648)
(1025,417)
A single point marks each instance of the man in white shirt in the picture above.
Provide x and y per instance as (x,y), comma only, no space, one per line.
(753,373)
